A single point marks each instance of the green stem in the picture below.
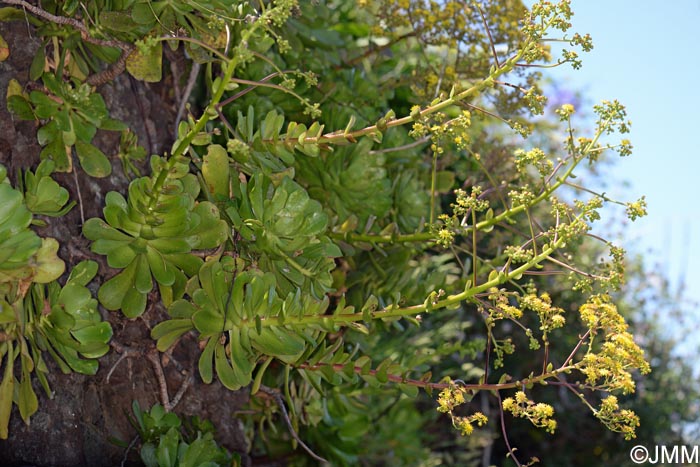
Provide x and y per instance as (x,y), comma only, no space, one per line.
(474,256)
(429,237)
(391,238)
(401,312)
(210,111)
(433,181)
(341,136)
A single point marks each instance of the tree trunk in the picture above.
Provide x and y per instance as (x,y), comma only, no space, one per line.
(78,426)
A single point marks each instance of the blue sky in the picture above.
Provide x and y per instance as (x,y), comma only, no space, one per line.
(645,55)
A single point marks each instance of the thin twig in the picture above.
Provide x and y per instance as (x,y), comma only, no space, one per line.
(191,80)
(99,78)
(487,359)
(573,352)
(129,448)
(602,196)
(511,451)
(114,367)
(46,15)
(488,448)
(125,352)
(77,189)
(485,112)
(412,145)
(488,31)
(573,269)
(247,90)
(556,168)
(112,71)
(153,357)
(277,397)
(181,392)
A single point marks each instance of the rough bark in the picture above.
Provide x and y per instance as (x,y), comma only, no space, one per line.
(76,427)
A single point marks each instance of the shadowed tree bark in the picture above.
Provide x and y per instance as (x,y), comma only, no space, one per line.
(78,426)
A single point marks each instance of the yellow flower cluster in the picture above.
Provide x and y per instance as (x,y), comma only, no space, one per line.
(551,317)
(609,368)
(618,420)
(539,414)
(452,397)
(565,111)
(465,425)
(534,157)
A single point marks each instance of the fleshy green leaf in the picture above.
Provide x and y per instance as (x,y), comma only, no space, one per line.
(216,171)
(113,291)
(92,160)
(146,65)
(6,389)
(205,364)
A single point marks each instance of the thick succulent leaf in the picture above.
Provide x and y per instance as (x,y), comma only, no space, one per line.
(224,370)
(93,350)
(239,347)
(278,342)
(47,197)
(181,309)
(47,265)
(212,231)
(142,276)
(167,332)
(208,322)
(6,390)
(166,453)
(113,291)
(82,273)
(201,453)
(119,255)
(148,455)
(100,333)
(189,264)
(162,270)
(97,229)
(92,160)
(170,245)
(27,401)
(216,171)
(7,313)
(134,303)
(61,319)
(75,299)
(214,283)
(206,363)
(14,216)
(350,181)
(16,251)
(146,65)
